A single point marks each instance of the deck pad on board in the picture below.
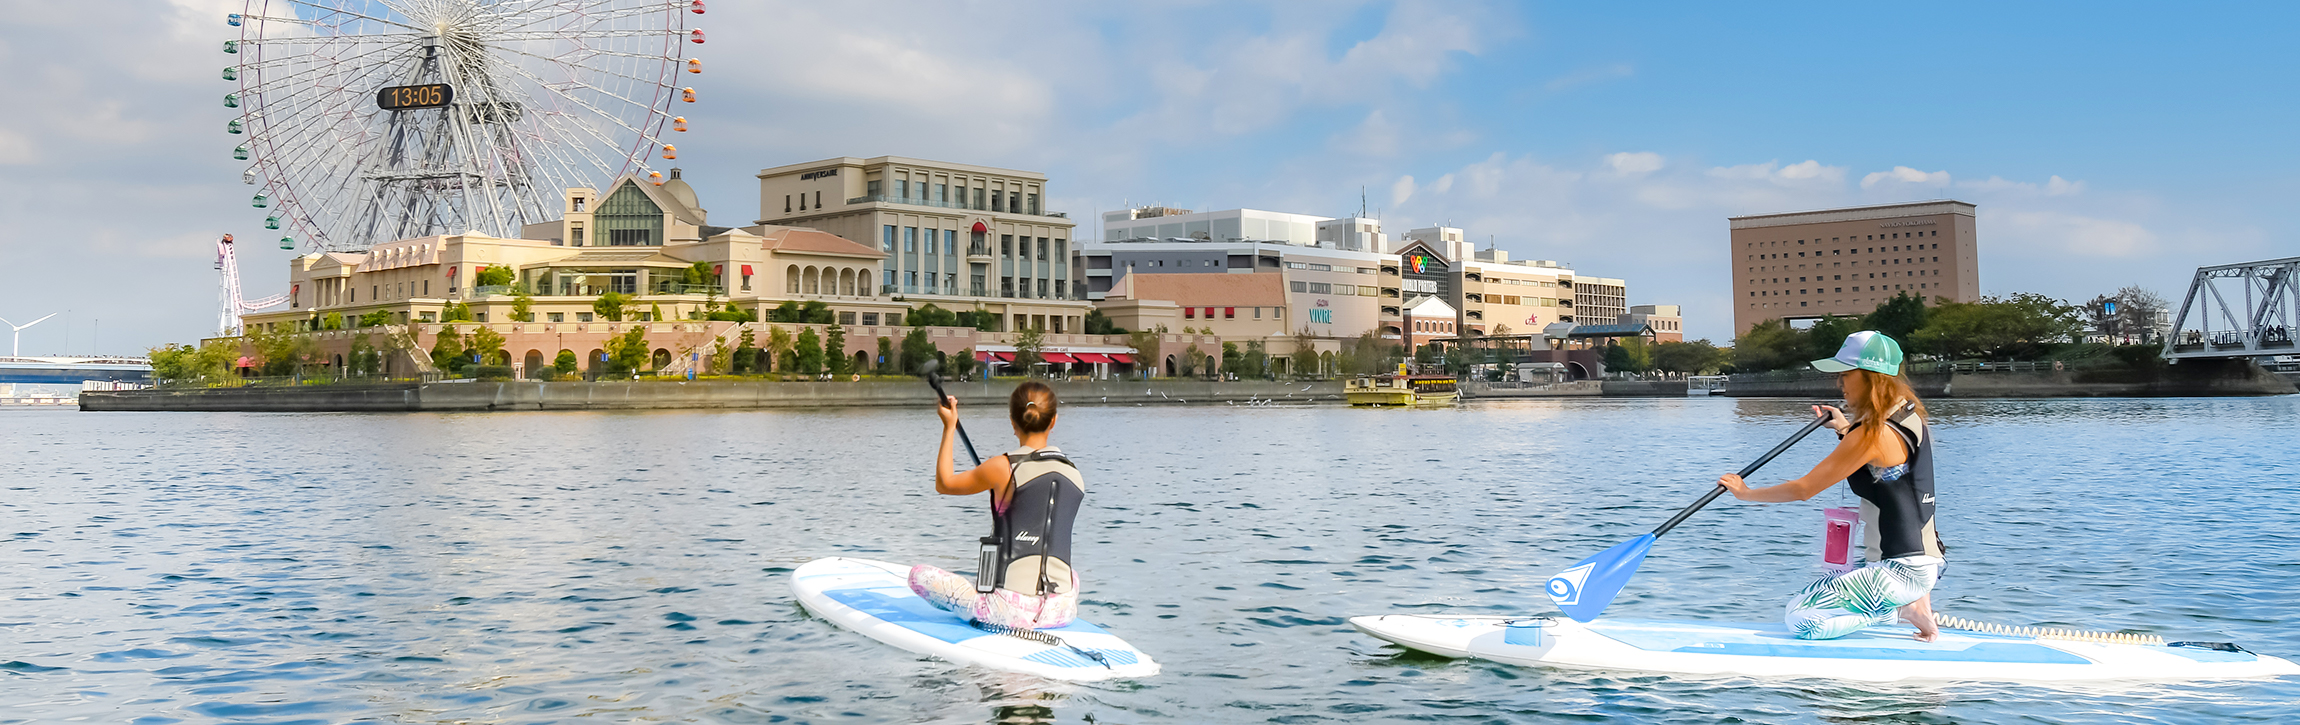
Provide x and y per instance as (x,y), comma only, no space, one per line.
(874,598)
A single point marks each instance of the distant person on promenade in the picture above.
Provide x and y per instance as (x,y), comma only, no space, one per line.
(1885,453)
(1034,497)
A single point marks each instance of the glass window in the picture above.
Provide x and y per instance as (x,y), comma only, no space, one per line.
(871,187)
(557,317)
(950,242)
(978,199)
(582,317)
(1014,201)
(902,189)
(998,202)
(1033,203)
(847,318)
(870,318)
(942,193)
(910,239)
(888,244)
(1300,286)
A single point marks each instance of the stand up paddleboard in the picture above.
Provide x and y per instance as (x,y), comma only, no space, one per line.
(874,598)
(1879,654)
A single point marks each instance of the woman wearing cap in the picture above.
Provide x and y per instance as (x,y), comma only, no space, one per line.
(1885,454)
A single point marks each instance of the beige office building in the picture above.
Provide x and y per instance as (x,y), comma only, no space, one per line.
(960,236)
(1807,265)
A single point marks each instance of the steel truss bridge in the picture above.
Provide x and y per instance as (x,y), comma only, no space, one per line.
(2238,310)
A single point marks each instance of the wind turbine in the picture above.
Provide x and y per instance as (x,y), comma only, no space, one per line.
(16,349)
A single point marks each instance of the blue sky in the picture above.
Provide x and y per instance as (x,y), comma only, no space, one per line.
(2106,144)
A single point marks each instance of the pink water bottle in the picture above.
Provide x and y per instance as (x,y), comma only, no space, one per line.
(1840,539)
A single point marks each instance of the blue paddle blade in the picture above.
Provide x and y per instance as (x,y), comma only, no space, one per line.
(1583,591)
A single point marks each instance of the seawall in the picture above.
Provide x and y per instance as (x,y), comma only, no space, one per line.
(714,394)
(2195,378)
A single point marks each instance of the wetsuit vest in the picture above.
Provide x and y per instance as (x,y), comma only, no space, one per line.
(1897,502)
(1033,532)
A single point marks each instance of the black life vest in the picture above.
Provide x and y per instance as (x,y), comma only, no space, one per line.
(1899,512)
(1033,533)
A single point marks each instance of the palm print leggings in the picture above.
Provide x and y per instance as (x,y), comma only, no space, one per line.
(1004,607)
(1856,600)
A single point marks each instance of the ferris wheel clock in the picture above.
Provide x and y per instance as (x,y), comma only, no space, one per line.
(408,98)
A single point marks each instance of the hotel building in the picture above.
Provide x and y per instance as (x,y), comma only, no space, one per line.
(1806,265)
(960,236)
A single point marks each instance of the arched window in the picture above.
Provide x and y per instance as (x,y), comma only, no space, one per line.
(792,286)
(814,281)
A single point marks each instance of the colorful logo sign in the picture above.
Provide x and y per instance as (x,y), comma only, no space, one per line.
(1420,263)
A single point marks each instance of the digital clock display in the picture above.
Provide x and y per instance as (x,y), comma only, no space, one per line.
(403,98)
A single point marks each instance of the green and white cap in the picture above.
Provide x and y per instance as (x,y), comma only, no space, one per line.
(1868,350)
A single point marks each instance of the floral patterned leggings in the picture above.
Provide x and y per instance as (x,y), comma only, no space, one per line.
(1004,608)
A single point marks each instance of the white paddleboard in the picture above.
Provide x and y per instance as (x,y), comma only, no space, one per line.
(874,598)
(1879,654)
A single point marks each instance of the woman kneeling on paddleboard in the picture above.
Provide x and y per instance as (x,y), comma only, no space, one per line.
(1886,455)
(1034,497)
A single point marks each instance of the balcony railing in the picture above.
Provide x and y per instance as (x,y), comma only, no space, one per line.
(490,289)
(682,288)
(889,199)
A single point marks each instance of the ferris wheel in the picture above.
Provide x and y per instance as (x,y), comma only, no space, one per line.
(366,121)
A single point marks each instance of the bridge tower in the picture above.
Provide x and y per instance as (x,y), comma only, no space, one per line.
(2237,310)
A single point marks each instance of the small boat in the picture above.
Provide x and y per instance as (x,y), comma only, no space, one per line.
(1379,390)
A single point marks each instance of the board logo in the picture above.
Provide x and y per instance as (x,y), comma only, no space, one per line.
(1565,588)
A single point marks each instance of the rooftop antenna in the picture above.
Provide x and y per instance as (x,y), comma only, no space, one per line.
(16,348)
(1361,201)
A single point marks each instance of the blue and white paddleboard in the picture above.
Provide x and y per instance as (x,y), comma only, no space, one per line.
(1880,654)
(874,598)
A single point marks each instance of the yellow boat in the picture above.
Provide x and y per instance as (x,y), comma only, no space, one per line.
(1401,390)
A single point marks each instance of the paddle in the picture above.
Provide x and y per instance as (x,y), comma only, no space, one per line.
(934,379)
(1584,591)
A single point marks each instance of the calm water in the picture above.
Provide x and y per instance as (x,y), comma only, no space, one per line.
(574,567)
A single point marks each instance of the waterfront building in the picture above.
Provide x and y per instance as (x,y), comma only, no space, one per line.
(1157,223)
(960,236)
(1806,265)
(1236,308)
(1666,321)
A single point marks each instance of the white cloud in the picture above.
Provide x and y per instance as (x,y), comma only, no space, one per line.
(2080,235)
(2054,186)
(1634,163)
(1376,136)
(1442,185)
(1401,190)
(1905,175)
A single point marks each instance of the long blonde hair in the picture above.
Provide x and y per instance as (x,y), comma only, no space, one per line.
(1874,398)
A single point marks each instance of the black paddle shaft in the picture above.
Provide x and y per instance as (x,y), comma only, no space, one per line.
(1745,471)
(934,379)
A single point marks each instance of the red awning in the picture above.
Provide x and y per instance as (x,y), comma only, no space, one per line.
(718,269)
(979,228)
(746,270)
(1123,358)
(247,362)
(1093,357)
(1056,357)
(1001,356)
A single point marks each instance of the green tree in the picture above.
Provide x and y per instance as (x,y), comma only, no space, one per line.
(746,352)
(489,344)
(698,275)
(1256,360)
(1029,349)
(522,306)
(1898,317)
(962,364)
(1144,345)
(655,312)
(375,319)
(780,349)
(363,360)
(609,306)
(788,311)
(447,351)
(1193,361)
(916,350)
(565,363)
(888,360)
(1688,358)
(331,321)
(455,312)
(1769,345)
(628,352)
(210,363)
(722,357)
(928,315)
(808,358)
(1306,361)
(493,276)
(835,351)
(1233,359)
(2024,326)
(815,312)
(1100,324)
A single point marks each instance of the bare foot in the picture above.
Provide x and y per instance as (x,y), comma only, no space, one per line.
(1920,614)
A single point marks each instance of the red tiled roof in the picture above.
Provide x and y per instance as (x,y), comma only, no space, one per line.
(796,239)
(1261,289)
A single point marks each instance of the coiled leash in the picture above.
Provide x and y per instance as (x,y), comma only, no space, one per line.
(1043,638)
